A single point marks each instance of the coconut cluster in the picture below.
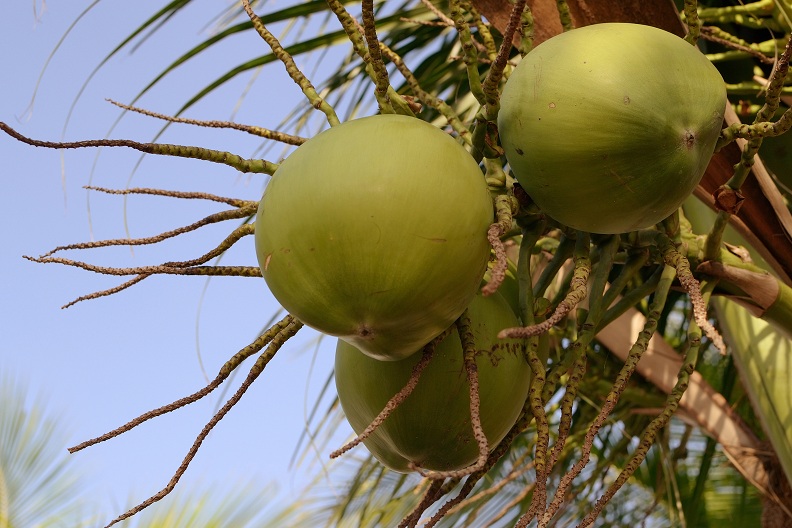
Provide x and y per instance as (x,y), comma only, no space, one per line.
(375,231)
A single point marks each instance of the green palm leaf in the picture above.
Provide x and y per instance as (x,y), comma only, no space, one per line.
(38,485)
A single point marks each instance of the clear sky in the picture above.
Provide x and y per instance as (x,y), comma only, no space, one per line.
(105,361)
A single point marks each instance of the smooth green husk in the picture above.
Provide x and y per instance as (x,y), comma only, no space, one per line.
(432,426)
(610,127)
(374,231)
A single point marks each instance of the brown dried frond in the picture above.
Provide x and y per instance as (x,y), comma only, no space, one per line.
(281,337)
(250,129)
(228,367)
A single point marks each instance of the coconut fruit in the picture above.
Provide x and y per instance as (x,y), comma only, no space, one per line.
(432,427)
(610,127)
(375,231)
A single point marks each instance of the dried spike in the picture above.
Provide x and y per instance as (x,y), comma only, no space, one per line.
(577,292)
(398,398)
(234,202)
(228,367)
(505,207)
(630,363)
(107,292)
(222,271)
(164,149)
(255,371)
(469,347)
(222,216)
(250,129)
(291,68)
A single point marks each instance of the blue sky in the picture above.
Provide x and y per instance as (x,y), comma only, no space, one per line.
(103,362)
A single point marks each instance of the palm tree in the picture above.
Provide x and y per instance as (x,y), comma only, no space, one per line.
(38,484)
(720,454)
(40,487)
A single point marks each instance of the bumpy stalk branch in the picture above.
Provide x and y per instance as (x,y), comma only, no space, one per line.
(505,207)
(250,129)
(716,34)
(215,271)
(495,75)
(226,370)
(230,240)
(433,492)
(564,15)
(262,361)
(635,261)
(469,347)
(354,32)
(291,68)
(630,298)
(164,149)
(577,293)
(232,214)
(427,98)
(398,398)
(658,423)
(674,258)
(186,195)
(758,130)
(564,250)
(518,468)
(488,42)
(612,399)
(470,53)
(607,251)
(381,80)
(692,20)
(743,168)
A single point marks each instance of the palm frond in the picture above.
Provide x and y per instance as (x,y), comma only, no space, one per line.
(38,484)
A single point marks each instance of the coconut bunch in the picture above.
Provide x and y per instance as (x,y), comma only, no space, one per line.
(476,270)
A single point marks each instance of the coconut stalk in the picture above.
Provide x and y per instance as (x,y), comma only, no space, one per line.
(701,404)
(759,340)
(762,218)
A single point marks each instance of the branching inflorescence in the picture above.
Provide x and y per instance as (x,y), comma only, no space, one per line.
(570,284)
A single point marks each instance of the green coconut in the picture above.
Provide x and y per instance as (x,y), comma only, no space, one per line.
(375,231)
(610,127)
(432,427)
